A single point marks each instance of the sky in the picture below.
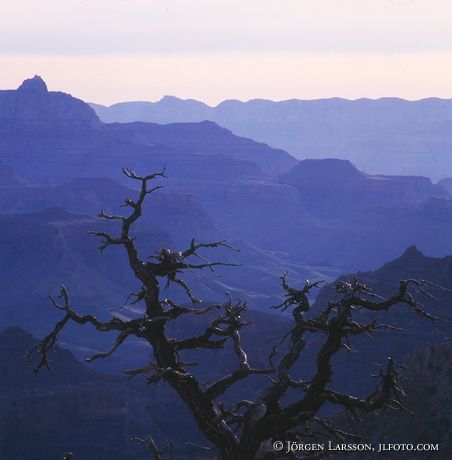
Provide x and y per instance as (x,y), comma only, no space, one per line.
(117,50)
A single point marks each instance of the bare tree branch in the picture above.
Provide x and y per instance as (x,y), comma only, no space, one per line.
(239,432)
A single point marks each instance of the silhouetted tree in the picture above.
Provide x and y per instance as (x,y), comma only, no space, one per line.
(240,430)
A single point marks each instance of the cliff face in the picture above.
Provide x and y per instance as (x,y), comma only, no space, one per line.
(76,409)
(415,332)
(267,215)
(427,381)
(33,107)
(177,214)
(209,138)
(332,188)
(374,235)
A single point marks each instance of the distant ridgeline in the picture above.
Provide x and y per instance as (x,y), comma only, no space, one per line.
(53,127)
(59,165)
(318,219)
(383,136)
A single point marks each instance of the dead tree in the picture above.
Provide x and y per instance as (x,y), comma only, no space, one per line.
(240,430)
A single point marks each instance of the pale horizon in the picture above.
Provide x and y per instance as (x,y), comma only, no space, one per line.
(134,50)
